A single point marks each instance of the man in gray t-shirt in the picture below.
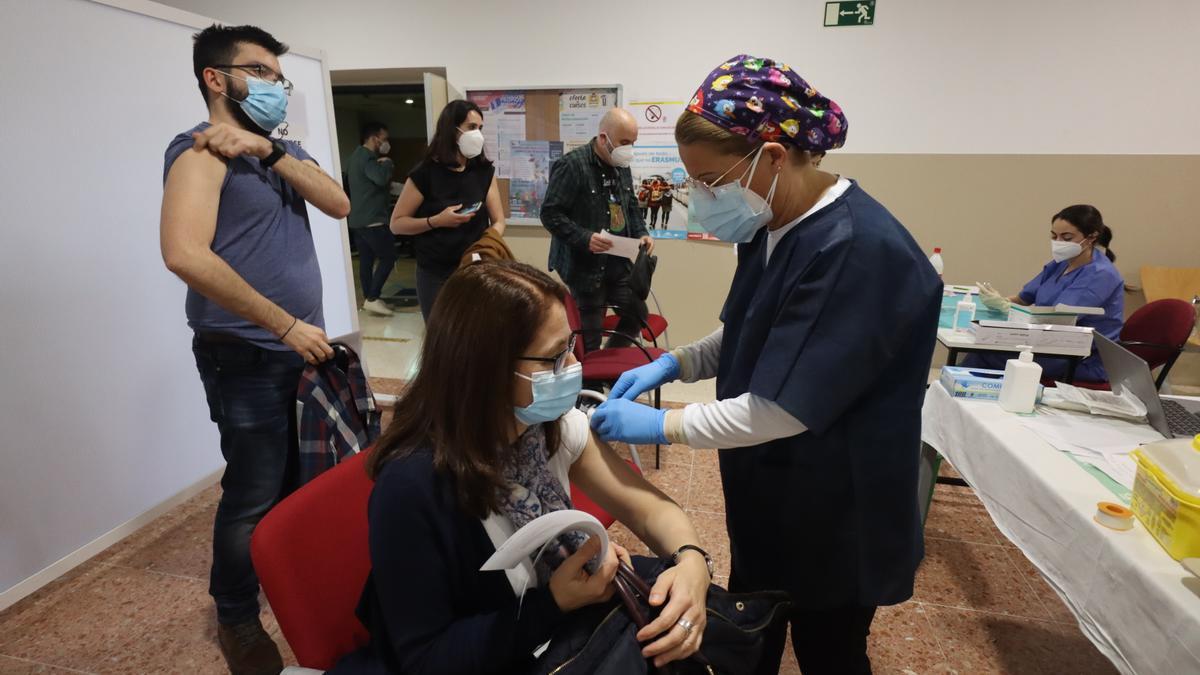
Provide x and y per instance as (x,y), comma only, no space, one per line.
(235,228)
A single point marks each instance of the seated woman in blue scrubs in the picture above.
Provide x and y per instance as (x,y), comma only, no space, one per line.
(485,439)
(1081,274)
(821,361)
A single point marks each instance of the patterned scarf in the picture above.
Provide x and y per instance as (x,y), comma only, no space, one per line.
(533,491)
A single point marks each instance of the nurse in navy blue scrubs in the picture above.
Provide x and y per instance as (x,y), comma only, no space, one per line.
(821,361)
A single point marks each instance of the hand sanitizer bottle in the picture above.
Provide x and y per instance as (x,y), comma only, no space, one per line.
(1022,376)
(964,314)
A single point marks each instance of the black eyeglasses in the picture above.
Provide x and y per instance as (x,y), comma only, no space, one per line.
(262,72)
(559,360)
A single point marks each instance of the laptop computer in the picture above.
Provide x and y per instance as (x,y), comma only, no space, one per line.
(1128,372)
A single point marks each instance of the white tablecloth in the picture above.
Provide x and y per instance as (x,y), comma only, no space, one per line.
(1139,607)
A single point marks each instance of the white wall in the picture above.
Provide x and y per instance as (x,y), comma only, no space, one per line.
(932,76)
(103,414)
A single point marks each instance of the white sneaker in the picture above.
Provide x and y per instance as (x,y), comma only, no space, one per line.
(377,307)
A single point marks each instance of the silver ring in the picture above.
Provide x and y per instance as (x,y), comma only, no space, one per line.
(685,625)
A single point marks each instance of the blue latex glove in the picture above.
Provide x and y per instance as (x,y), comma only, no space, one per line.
(634,383)
(619,420)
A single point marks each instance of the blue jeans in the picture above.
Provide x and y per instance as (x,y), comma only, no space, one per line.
(376,258)
(251,395)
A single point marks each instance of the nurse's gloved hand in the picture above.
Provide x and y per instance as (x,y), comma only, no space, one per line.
(634,383)
(619,420)
(991,298)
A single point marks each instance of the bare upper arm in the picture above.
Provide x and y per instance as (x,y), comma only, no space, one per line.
(613,484)
(191,197)
(495,206)
(410,200)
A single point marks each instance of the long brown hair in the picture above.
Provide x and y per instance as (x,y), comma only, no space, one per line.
(460,405)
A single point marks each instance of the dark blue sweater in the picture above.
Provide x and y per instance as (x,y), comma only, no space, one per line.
(426,604)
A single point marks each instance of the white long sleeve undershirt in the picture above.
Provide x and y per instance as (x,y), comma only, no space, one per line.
(730,423)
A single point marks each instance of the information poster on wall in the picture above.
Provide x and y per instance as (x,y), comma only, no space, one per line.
(503,124)
(531,162)
(659,179)
(579,114)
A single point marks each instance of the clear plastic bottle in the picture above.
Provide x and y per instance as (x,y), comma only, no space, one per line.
(964,314)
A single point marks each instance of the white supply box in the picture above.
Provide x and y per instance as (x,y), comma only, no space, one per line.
(1038,336)
(1058,315)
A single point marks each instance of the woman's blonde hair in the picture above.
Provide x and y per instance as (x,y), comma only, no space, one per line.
(692,128)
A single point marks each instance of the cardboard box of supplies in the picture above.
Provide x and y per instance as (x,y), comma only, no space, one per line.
(1008,334)
(976,383)
(972,382)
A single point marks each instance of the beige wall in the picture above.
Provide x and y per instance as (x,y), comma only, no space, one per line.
(690,283)
(990,214)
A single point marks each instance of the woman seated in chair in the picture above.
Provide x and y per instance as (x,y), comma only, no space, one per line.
(484,440)
(1081,274)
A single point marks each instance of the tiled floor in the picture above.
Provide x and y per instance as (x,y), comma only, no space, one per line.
(142,606)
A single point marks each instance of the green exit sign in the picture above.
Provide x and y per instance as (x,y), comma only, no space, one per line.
(850,13)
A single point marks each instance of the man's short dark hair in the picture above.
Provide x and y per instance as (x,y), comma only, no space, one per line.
(217,45)
(370,129)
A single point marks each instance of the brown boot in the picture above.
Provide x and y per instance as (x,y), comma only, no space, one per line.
(248,650)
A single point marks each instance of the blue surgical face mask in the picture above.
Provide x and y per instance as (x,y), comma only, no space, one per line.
(732,212)
(553,394)
(266,103)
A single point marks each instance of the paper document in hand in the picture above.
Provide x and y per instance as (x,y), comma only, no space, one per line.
(531,538)
(623,247)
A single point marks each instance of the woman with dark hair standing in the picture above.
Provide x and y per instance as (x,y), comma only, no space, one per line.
(1081,274)
(449,199)
(484,440)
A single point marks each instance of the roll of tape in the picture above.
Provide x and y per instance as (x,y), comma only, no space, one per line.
(1114,516)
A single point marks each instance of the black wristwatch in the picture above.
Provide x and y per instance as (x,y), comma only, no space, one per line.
(689,547)
(277,153)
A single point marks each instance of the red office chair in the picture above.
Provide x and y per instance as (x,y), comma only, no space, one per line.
(607,365)
(312,559)
(653,327)
(1157,333)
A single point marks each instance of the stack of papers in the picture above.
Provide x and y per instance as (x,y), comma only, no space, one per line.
(1103,442)
(1124,405)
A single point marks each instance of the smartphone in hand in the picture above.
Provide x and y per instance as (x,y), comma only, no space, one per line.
(468,210)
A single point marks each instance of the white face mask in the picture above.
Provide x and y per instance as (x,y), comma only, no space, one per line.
(622,155)
(470,143)
(1065,250)
(385,148)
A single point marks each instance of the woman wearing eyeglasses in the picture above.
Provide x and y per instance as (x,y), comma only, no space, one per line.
(484,440)
(821,363)
(449,199)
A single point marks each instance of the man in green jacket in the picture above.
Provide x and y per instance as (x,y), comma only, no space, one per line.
(370,171)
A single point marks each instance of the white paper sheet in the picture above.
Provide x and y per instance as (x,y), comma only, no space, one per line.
(510,128)
(536,533)
(1103,442)
(623,247)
